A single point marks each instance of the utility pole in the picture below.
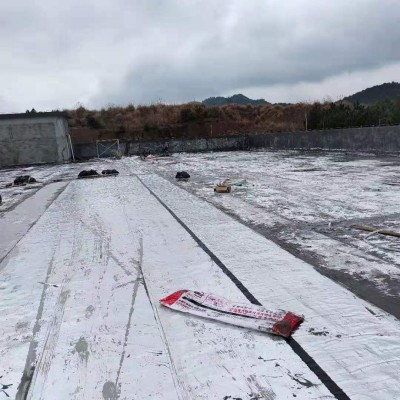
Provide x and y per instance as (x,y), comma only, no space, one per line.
(305,115)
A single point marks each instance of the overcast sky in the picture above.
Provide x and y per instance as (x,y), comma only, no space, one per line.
(56,54)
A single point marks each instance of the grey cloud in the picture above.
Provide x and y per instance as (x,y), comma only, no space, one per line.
(6,106)
(122,51)
(259,44)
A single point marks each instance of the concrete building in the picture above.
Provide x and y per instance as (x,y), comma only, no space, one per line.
(34,138)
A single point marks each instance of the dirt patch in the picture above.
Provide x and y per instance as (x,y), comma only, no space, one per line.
(81,347)
(110,391)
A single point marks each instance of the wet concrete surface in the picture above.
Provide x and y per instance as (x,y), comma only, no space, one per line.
(19,219)
(351,259)
(298,200)
(363,288)
(303,202)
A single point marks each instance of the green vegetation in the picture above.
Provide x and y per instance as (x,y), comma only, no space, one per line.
(375,94)
(92,122)
(239,99)
(346,115)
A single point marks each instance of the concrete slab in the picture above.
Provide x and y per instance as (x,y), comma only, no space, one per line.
(341,332)
(74,307)
(16,223)
(68,284)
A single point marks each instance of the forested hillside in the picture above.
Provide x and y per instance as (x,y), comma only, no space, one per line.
(386,91)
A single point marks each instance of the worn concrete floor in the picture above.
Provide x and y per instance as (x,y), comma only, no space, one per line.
(84,263)
(307,203)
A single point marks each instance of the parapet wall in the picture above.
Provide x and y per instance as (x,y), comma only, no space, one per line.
(239,142)
(379,139)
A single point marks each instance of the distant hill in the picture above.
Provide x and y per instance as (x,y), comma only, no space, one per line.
(235,99)
(376,93)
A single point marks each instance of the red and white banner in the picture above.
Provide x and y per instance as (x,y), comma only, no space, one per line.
(251,316)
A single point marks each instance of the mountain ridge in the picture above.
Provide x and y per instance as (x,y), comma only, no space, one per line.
(239,99)
(375,94)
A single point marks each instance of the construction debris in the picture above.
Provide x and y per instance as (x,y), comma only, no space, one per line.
(88,174)
(376,230)
(110,172)
(24,179)
(278,322)
(147,157)
(182,176)
(221,188)
(234,182)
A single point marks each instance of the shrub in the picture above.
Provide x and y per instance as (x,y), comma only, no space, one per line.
(187,115)
(92,122)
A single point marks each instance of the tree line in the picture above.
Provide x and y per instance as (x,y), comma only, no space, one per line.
(344,114)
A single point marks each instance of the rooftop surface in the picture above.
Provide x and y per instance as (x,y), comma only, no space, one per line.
(84,263)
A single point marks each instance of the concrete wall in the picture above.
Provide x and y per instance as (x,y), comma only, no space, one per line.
(33,141)
(89,150)
(381,139)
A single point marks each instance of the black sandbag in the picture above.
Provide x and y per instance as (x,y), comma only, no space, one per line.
(23,179)
(110,172)
(182,175)
(185,174)
(85,174)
